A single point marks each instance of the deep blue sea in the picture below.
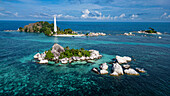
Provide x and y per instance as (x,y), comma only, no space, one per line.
(20,75)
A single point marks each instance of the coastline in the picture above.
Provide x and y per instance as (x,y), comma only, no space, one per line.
(67,35)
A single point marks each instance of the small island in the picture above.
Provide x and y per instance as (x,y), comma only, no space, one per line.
(151,31)
(66,55)
(46,28)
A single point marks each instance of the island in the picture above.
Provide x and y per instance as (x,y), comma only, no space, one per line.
(151,31)
(48,29)
(66,55)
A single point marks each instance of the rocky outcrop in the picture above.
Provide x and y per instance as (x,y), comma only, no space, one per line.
(43,61)
(104,68)
(64,60)
(94,54)
(103,72)
(140,70)
(36,56)
(95,70)
(56,50)
(131,71)
(96,34)
(122,60)
(114,74)
(118,70)
(126,66)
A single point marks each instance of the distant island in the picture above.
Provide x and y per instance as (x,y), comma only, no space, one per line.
(48,29)
(151,31)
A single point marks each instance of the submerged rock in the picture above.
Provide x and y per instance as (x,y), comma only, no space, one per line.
(131,71)
(89,61)
(140,70)
(126,66)
(95,70)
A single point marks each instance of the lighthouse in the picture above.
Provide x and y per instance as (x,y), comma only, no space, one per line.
(55,25)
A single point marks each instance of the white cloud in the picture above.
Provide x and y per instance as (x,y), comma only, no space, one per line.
(122,15)
(165,15)
(16,14)
(65,16)
(44,15)
(86,11)
(168,16)
(133,16)
(97,12)
(1,14)
(94,15)
(116,17)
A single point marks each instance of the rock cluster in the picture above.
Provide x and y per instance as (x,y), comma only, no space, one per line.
(144,32)
(128,34)
(96,34)
(117,68)
(41,57)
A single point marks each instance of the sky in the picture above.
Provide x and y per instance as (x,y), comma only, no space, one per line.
(86,10)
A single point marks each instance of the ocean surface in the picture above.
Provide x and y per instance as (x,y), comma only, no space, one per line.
(21,75)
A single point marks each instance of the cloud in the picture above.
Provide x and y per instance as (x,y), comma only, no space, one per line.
(16,14)
(45,15)
(168,16)
(116,17)
(1,14)
(9,13)
(94,15)
(65,16)
(133,16)
(165,15)
(121,16)
(2,9)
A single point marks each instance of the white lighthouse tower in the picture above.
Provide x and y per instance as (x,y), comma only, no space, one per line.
(55,25)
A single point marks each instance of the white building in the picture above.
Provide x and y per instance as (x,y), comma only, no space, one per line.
(55,25)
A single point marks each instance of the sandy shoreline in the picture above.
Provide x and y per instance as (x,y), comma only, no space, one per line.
(66,35)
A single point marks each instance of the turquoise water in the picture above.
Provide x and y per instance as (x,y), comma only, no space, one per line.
(21,75)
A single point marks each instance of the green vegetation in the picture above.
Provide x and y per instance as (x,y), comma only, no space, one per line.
(87,34)
(49,55)
(46,28)
(151,30)
(74,52)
